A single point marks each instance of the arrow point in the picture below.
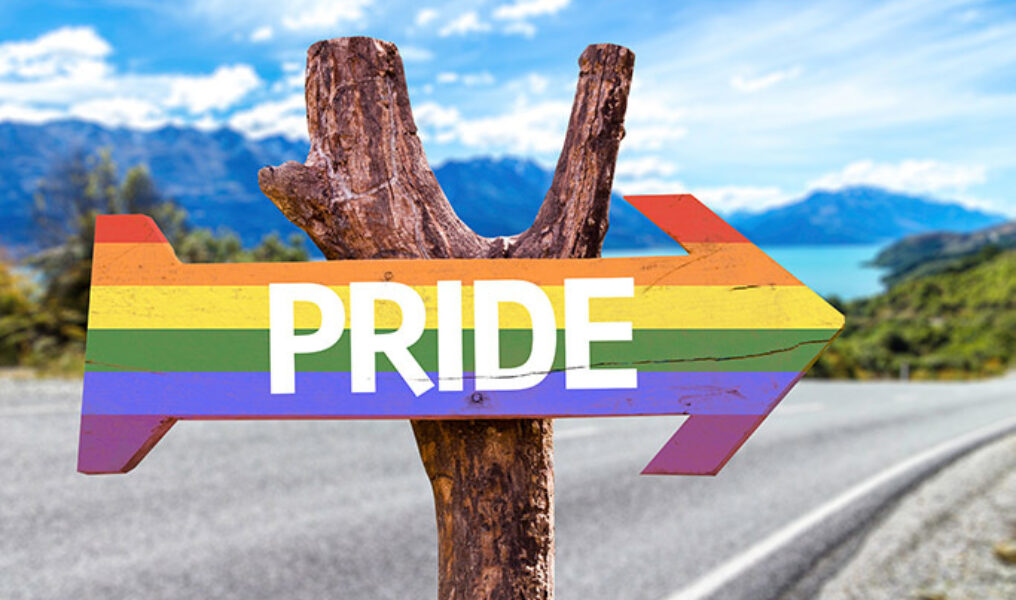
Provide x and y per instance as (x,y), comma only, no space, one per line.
(685,219)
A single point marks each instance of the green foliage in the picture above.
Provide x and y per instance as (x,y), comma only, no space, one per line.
(43,324)
(201,246)
(957,323)
(944,252)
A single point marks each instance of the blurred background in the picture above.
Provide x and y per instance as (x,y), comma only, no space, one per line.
(866,146)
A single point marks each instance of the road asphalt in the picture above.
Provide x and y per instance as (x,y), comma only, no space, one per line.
(307,509)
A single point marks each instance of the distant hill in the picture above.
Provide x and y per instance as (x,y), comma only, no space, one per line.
(501,196)
(213,174)
(931,253)
(857,215)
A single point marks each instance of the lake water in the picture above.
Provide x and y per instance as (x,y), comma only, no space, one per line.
(829,270)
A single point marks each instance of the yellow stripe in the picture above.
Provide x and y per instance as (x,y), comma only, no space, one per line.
(653,307)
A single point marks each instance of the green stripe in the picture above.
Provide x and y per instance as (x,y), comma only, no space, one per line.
(651,350)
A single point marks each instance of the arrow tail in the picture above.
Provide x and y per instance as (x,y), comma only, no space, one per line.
(124,246)
(116,444)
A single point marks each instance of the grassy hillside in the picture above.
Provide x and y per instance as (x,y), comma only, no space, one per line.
(955,324)
(932,253)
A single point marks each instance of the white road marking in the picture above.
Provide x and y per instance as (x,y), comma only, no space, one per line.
(53,408)
(711,582)
(575,433)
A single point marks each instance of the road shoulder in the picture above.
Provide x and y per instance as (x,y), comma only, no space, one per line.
(937,543)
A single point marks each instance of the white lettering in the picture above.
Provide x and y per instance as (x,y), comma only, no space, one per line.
(487,297)
(366,343)
(284,344)
(579,332)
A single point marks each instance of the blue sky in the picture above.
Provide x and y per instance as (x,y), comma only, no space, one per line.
(746,104)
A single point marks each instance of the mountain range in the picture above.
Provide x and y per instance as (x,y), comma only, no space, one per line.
(213,174)
(857,215)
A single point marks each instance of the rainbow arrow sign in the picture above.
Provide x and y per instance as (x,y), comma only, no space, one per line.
(720,334)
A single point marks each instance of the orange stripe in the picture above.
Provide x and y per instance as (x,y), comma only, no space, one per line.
(706,264)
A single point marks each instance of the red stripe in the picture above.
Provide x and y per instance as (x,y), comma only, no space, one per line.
(686,219)
(132,229)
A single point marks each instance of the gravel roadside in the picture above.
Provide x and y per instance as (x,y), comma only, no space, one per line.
(939,542)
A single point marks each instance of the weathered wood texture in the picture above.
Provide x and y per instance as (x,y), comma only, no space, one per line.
(367,191)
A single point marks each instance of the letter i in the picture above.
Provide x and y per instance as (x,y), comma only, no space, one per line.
(449,336)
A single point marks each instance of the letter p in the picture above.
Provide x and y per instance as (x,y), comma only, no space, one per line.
(283,342)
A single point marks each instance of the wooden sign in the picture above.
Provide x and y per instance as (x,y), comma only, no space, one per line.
(720,334)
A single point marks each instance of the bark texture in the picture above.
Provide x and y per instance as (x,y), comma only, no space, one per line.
(367,191)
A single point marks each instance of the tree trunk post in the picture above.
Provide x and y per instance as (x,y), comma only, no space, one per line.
(367,191)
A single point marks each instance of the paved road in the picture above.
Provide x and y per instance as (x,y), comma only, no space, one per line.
(343,509)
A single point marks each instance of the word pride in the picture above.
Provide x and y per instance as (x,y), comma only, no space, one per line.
(366,343)
(720,334)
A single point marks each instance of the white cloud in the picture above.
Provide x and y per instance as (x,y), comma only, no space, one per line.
(523,9)
(475,79)
(648,185)
(293,77)
(723,199)
(755,84)
(286,117)
(517,13)
(301,17)
(649,175)
(433,115)
(222,89)
(468,79)
(525,129)
(537,83)
(644,134)
(426,16)
(465,23)
(29,114)
(652,121)
(729,198)
(71,52)
(67,73)
(415,54)
(262,34)
(120,112)
(320,14)
(523,28)
(915,176)
(644,166)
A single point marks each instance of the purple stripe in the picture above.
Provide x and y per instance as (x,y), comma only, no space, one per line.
(327,395)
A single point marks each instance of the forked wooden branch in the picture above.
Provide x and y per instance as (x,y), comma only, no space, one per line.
(367,191)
